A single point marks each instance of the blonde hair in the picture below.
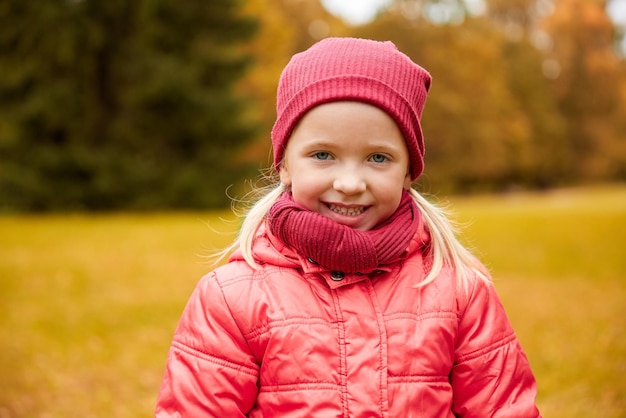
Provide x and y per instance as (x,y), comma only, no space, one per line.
(445,248)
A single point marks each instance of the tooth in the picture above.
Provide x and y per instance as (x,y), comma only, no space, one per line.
(346,211)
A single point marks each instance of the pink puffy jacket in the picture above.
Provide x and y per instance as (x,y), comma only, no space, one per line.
(293,340)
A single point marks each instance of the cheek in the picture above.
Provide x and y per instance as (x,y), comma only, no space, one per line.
(304,198)
(391,195)
(307,191)
(306,181)
(393,201)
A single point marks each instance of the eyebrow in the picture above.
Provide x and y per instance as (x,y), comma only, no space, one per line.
(318,143)
(384,146)
(381,145)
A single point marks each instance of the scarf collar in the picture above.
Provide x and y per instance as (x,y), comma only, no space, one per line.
(339,247)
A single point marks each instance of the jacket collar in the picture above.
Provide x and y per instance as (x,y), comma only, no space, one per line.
(269,250)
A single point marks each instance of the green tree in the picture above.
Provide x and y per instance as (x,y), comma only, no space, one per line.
(121,103)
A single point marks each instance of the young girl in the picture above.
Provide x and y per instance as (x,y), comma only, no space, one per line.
(347,294)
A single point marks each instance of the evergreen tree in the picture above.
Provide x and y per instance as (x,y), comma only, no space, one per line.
(120,103)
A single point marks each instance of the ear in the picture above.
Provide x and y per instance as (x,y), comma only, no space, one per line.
(407,181)
(285,177)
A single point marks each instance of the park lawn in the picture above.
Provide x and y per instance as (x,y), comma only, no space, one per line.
(88,303)
(558,260)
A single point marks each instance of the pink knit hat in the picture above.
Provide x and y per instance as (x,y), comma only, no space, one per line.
(338,69)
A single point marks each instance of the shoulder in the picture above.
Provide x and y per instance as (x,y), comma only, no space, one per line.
(483,323)
(267,250)
(242,286)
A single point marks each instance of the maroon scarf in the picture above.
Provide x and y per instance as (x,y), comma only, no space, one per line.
(339,247)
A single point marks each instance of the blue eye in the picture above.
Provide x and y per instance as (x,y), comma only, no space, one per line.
(321,155)
(378,158)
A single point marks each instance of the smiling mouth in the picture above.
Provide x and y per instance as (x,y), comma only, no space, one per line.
(353,211)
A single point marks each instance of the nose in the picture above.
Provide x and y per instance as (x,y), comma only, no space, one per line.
(349,181)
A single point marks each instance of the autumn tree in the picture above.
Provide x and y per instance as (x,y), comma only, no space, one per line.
(481,125)
(286,27)
(526,92)
(587,87)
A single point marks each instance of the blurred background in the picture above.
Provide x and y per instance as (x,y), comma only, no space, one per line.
(127,125)
(163,104)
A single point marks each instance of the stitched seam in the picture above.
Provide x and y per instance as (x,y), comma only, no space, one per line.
(221,287)
(416,378)
(485,350)
(199,354)
(256,275)
(296,387)
(382,332)
(289,322)
(467,297)
(422,316)
(343,368)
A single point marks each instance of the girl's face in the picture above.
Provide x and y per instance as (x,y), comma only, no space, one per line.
(347,161)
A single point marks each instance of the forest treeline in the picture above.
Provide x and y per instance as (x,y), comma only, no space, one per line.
(154,104)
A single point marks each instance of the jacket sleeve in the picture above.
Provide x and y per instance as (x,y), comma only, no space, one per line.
(491,376)
(210,371)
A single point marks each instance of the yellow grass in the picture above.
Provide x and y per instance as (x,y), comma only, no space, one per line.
(88,303)
(559,263)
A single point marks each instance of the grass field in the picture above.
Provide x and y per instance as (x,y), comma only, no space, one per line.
(88,303)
